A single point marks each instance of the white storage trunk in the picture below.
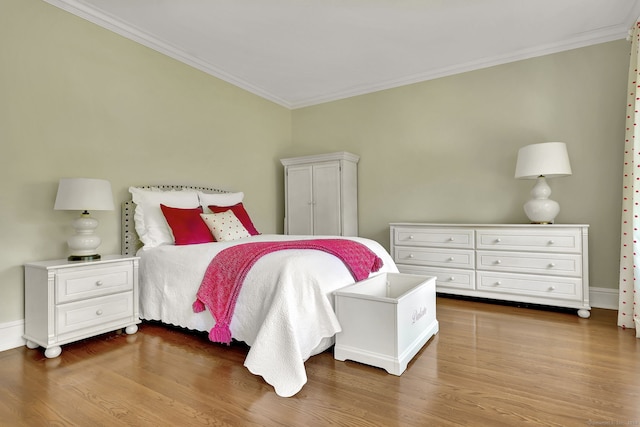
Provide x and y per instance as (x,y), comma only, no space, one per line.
(386,320)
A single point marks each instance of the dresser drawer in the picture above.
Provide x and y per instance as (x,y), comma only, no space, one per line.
(446,278)
(541,287)
(452,258)
(93,312)
(562,240)
(82,283)
(530,262)
(437,237)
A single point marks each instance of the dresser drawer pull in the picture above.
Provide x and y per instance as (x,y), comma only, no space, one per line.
(410,237)
(451,279)
(551,242)
(451,239)
(451,258)
(99,312)
(99,283)
(551,265)
(498,283)
(498,240)
(410,255)
(498,261)
(552,288)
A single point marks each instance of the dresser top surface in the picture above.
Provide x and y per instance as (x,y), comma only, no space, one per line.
(433,224)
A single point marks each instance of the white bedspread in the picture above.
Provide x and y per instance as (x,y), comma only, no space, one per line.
(284,323)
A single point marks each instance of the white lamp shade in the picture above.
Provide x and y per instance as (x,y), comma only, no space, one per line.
(80,194)
(549,159)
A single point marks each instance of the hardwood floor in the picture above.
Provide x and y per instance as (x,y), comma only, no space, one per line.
(490,365)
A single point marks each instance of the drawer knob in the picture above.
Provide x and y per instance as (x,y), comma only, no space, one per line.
(451,258)
(498,283)
(410,237)
(410,255)
(552,288)
(451,239)
(99,312)
(551,265)
(551,242)
(498,261)
(99,283)
(451,279)
(498,240)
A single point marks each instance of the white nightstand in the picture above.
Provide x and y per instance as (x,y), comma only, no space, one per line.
(68,301)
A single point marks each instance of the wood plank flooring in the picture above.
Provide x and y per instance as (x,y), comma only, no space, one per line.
(490,365)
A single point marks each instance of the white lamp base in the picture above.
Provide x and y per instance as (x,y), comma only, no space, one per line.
(84,243)
(540,209)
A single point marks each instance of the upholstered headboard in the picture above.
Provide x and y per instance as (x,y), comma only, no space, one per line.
(130,242)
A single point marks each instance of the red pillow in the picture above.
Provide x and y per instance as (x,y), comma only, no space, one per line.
(187,226)
(240,212)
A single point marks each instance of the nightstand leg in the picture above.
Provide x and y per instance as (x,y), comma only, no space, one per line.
(131,329)
(53,352)
(32,345)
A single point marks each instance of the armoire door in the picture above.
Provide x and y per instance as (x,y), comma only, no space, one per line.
(299,200)
(326,199)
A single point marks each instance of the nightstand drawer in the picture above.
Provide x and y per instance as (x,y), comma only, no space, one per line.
(531,286)
(434,257)
(93,312)
(91,282)
(530,262)
(441,237)
(562,240)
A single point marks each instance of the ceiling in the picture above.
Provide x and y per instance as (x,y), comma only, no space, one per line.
(304,52)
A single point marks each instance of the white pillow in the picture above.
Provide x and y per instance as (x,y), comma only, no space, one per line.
(150,224)
(225,226)
(219,199)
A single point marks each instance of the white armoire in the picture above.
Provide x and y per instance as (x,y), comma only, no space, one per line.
(321,194)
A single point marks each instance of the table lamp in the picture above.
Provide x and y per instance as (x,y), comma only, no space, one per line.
(541,161)
(84,194)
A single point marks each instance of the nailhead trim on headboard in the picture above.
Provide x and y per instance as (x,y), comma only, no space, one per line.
(130,242)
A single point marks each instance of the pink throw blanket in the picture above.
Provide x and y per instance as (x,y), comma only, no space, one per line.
(225,274)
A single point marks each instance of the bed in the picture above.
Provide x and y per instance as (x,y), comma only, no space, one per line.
(284,309)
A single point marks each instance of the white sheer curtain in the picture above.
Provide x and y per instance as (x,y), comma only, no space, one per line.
(629,284)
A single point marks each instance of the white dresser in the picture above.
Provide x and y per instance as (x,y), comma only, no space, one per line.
(67,301)
(534,264)
(321,194)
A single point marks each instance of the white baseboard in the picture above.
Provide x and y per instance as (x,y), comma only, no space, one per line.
(603,298)
(11,335)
